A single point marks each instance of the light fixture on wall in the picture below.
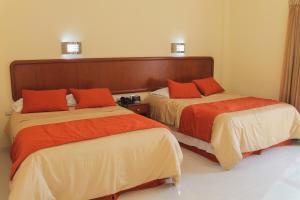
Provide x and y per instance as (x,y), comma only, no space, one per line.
(68,48)
(177,48)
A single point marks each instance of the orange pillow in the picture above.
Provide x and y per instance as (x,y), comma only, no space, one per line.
(93,98)
(208,86)
(44,100)
(183,90)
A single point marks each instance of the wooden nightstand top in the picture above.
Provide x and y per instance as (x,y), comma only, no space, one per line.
(140,108)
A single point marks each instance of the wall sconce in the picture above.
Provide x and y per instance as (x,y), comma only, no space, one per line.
(178,48)
(71,48)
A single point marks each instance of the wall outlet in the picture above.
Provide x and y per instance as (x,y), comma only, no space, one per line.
(8,113)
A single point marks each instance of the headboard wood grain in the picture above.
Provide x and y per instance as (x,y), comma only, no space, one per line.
(121,75)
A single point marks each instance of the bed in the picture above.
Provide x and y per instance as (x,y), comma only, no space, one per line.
(93,168)
(233,135)
(99,167)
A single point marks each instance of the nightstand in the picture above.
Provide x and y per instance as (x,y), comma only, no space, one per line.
(140,108)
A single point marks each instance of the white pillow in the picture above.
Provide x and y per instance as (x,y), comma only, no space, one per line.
(17,106)
(164,92)
(71,100)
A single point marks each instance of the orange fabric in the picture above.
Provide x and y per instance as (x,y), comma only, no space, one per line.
(32,139)
(213,158)
(258,152)
(151,184)
(208,86)
(197,120)
(44,100)
(93,98)
(183,90)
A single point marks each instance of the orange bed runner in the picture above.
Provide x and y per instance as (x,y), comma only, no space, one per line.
(197,120)
(32,139)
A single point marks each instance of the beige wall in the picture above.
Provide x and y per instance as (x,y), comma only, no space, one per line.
(33,29)
(255,46)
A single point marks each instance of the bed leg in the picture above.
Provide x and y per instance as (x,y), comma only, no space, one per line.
(259,152)
(173,181)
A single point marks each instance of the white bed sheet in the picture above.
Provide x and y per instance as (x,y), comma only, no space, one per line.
(191,141)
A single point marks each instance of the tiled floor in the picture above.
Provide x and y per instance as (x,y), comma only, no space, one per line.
(274,175)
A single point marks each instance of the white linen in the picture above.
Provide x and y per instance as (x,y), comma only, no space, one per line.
(71,100)
(17,106)
(191,141)
(164,92)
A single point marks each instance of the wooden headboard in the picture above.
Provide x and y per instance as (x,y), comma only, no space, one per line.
(121,75)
